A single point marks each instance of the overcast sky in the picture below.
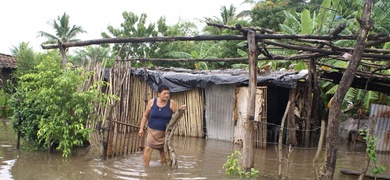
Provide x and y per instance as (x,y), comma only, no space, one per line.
(22,19)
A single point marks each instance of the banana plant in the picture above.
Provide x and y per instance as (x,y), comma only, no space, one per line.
(357,99)
(203,50)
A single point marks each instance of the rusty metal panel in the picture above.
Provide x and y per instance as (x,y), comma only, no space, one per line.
(219,111)
(381,114)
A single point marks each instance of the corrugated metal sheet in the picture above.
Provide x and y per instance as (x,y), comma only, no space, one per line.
(381,114)
(219,111)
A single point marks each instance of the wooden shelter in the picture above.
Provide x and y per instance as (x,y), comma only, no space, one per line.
(7,65)
(216,105)
(308,47)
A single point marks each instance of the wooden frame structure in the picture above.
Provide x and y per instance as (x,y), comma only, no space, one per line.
(308,47)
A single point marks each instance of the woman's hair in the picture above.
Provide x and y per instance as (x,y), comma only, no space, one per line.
(162,87)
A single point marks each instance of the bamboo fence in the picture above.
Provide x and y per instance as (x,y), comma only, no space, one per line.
(117,123)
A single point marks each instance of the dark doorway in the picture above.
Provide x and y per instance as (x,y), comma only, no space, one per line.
(277,102)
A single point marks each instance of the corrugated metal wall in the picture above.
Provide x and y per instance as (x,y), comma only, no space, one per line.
(381,114)
(219,111)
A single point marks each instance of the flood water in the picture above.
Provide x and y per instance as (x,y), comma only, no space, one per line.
(197,159)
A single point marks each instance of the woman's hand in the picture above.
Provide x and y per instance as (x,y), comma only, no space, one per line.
(184,107)
(141,133)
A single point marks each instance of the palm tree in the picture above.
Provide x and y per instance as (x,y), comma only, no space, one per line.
(90,53)
(63,33)
(247,13)
(26,59)
(228,14)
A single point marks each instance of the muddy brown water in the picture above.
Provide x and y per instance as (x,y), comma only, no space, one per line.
(198,158)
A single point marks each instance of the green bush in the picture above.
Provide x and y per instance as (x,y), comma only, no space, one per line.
(53,108)
(232,166)
(5,109)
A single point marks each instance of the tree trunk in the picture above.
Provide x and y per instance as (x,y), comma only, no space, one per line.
(63,54)
(346,81)
(250,117)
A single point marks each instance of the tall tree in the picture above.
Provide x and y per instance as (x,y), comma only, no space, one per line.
(346,81)
(64,32)
(228,16)
(133,26)
(168,49)
(269,13)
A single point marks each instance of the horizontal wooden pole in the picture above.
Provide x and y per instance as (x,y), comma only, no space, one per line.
(276,57)
(193,38)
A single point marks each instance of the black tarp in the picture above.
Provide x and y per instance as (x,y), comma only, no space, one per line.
(183,80)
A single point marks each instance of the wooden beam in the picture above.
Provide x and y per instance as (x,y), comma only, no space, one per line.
(192,38)
(238,59)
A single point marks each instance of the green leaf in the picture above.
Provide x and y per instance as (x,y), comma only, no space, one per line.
(300,66)
(324,11)
(386,45)
(287,29)
(306,22)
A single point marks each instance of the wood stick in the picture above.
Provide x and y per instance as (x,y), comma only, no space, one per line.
(280,153)
(168,138)
(315,159)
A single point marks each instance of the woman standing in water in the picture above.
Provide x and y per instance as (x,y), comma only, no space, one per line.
(158,112)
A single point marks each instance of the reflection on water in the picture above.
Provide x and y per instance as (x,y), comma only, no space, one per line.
(197,159)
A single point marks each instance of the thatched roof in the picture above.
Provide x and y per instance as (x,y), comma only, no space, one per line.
(7,61)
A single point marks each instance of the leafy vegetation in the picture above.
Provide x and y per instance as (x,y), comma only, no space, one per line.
(54,112)
(52,109)
(232,166)
(5,110)
(371,153)
(26,57)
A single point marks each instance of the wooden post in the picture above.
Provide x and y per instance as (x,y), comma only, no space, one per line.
(291,133)
(317,108)
(146,100)
(310,77)
(106,129)
(250,117)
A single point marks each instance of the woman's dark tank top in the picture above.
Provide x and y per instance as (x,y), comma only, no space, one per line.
(159,117)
